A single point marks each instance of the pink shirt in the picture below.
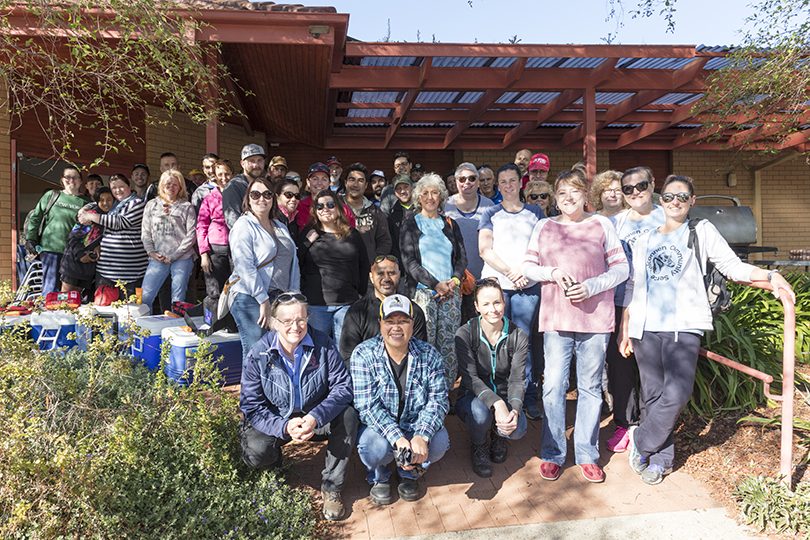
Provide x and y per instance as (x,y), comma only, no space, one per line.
(211,226)
(589,251)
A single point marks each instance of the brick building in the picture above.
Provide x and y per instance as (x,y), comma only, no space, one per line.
(610,106)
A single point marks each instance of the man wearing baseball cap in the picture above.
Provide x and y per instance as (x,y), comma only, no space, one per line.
(397,424)
(335,173)
(253,162)
(538,168)
(277,169)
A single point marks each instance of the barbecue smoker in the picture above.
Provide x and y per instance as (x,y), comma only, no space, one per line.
(736,223)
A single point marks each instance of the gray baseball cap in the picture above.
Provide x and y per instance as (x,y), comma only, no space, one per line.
(252,150)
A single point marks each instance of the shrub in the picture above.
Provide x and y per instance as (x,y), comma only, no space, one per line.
(765,502)
(92,446)
(750,333)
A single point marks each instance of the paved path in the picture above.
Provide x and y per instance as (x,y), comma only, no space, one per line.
(517,503)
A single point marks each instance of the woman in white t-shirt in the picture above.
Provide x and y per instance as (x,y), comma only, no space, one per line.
(503,239)
(666,318)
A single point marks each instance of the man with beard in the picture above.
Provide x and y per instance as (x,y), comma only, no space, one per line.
(252,161)
(377,180)
(140,179)
(362,321)
(370,222)
(208,162)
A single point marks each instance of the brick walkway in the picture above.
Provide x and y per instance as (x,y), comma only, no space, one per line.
(456,499)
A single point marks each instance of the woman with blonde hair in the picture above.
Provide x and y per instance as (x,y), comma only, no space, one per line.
(606,193)
(168,233)
(539,192)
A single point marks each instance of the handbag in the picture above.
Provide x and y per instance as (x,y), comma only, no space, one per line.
(225,300)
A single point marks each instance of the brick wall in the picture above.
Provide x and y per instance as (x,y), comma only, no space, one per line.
(187,140)
(6,193)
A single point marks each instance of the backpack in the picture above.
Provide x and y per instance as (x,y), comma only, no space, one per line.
(53,196)
(716,284)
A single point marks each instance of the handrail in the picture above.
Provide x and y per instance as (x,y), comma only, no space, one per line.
(788,380)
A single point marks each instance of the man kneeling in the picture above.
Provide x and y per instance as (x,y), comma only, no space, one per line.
(295,386)
(400,393)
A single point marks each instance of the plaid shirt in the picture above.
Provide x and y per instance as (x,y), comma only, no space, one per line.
(376,397)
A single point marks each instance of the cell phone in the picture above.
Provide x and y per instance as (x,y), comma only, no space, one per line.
(570,286)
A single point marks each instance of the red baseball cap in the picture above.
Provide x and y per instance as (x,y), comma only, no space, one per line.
(539,162)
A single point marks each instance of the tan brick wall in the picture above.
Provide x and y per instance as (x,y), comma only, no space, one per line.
(187,140)
(6,219)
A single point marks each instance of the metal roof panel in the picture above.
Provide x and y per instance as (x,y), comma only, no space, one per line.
(389,61)
(542,62)
(536,97)
(436,97)
(459,61)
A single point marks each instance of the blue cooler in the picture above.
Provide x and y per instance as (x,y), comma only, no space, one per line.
(51,329)
(147,347)
(9,322)
(121,319)
(227,354)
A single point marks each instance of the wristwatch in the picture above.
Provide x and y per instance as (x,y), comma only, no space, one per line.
(771,273)
(456,280)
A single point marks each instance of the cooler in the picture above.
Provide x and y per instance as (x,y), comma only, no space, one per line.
(227,354)
(121,319)
(147,346)
(10,321)
(51,329)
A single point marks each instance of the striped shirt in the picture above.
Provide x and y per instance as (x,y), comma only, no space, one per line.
(122,254)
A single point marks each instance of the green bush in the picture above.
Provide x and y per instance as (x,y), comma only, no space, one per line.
(767,503)
(94,447)
(751,332)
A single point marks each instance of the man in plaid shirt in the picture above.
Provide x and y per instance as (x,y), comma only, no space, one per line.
(400,393)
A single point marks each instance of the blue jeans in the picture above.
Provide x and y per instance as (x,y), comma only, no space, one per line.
(376,453)
(328,319)
(478,417)
(590,356)
(245,311)
(50,271)
(520,307)
(156,274)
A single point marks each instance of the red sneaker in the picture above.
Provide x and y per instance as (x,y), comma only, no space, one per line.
(549,471)
(592,473)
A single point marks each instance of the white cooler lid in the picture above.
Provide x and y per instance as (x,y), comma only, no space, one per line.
(156,323)
(53,318)
(182,338)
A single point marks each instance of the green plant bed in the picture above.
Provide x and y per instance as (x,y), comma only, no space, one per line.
(767,504)
(751,332)
(94,447)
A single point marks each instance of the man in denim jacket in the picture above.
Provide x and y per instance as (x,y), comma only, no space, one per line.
(400,393)
(295,386)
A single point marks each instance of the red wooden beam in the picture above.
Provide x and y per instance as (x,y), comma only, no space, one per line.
(403,108)
(489,50)
(767,129)
(681,114)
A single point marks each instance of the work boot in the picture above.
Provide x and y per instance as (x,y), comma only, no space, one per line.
(380,493)
(333,508)
(408,489)
(480,460)
(498,449)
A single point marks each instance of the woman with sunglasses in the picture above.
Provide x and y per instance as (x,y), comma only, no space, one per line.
(579,260)
(503,239)
(667,316)
(539,192)
(288,197)
(212,235)
(642,216)
(334,264)
(435,260)
(492,355)
(264,262)
(169,234)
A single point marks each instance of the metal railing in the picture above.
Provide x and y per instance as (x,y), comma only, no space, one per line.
(788,381)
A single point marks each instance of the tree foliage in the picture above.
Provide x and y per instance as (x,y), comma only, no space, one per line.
(91,64)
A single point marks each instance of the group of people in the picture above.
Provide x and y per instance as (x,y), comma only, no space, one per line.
(361,303)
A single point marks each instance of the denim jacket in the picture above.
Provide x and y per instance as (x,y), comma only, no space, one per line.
(267,399)
(376,397)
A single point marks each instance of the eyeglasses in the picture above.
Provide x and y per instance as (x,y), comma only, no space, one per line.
(641,186)
(256,195)
(294,178)
(669,197)
(380,258)
(291,195)
(535,196)
(289,323)
(615,191)
(320,206)
(467,179)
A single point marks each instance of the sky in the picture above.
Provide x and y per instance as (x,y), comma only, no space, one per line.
(707,22)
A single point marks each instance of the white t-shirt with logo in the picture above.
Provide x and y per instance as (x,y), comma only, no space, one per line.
(665,259)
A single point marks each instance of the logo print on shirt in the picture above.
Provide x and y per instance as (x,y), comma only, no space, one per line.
(664,262)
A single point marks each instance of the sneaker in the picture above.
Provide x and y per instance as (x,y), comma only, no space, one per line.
(333,509)
(592,472)
(498,449)
(637,462)
(549,471)
(408,489)
(380,494)
(618,442)
(480,460)
(654,474)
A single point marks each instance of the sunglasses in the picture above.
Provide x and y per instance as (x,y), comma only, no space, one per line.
(641,186)
(669,197)
(535,196)
(320,206)
(468,179)
(380,258)
(291,195)
(256,195)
